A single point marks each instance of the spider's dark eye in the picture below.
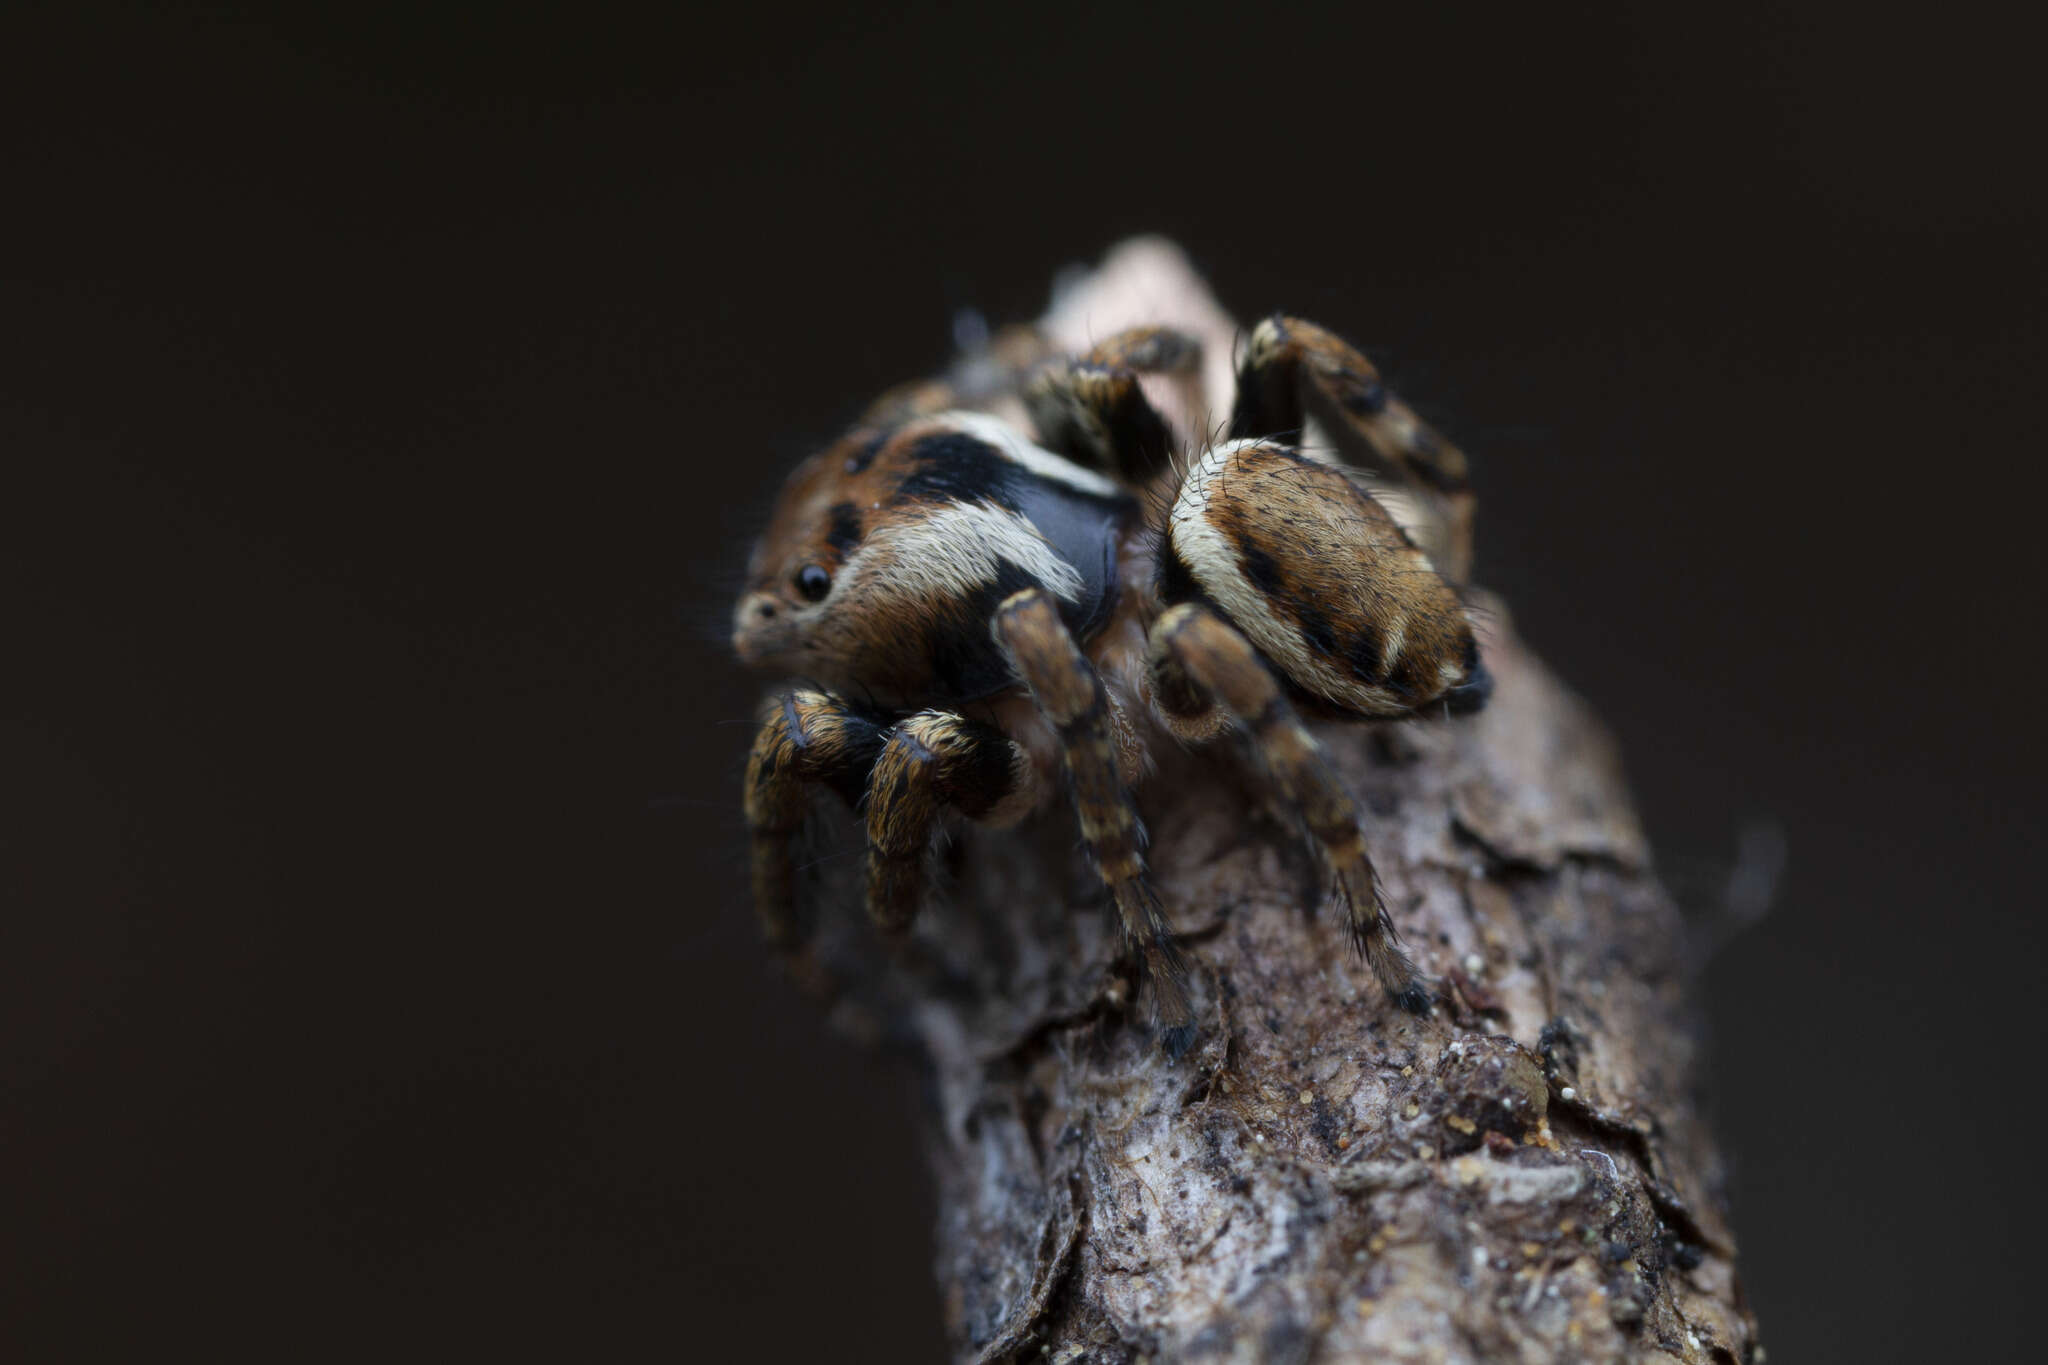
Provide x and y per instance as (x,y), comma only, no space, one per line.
(813,582)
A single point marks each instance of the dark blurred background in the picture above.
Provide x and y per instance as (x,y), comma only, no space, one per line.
(388,393)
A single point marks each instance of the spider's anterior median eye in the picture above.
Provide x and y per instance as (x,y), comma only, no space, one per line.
(813,582)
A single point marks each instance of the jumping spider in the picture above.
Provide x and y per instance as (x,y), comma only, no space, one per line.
(979,607)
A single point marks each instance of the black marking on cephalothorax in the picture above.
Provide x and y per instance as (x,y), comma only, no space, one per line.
(843,528)
(865,456)
(951,466)
(1084,529)
(966,661)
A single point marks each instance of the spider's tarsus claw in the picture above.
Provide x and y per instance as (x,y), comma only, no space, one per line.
(1168,973)
(1416,1000)
(1177,1040)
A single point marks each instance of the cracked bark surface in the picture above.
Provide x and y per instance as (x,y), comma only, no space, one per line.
(1521,1176)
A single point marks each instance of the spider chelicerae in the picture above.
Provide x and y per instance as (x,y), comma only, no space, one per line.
(979,602)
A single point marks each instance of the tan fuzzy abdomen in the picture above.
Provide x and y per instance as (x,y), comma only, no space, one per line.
(1321,579)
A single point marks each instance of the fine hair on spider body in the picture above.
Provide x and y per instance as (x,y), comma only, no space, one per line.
(1014,580)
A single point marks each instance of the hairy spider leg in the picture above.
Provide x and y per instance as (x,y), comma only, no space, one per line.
(808,738)
(1148,350)
(933,760)
(1070,695)
(1294,372)
(1094,411)
(1196,652)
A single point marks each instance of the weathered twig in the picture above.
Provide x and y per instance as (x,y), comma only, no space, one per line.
(1521,1176)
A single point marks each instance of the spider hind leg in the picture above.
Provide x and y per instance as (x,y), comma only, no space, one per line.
(1094,411)
(1195,652)
(1284,577)
(1298,379)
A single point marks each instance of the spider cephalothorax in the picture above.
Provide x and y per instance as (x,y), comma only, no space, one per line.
(980,604)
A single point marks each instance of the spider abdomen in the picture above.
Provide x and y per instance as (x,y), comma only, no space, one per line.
(1321,580)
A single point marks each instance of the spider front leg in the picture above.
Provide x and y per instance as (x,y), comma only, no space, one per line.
(906,777)
(1070,695)
(933,760)
(1198,656)
(1295,372)
(808,738)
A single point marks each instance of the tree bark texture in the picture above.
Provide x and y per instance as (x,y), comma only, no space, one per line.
(1521,1176)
